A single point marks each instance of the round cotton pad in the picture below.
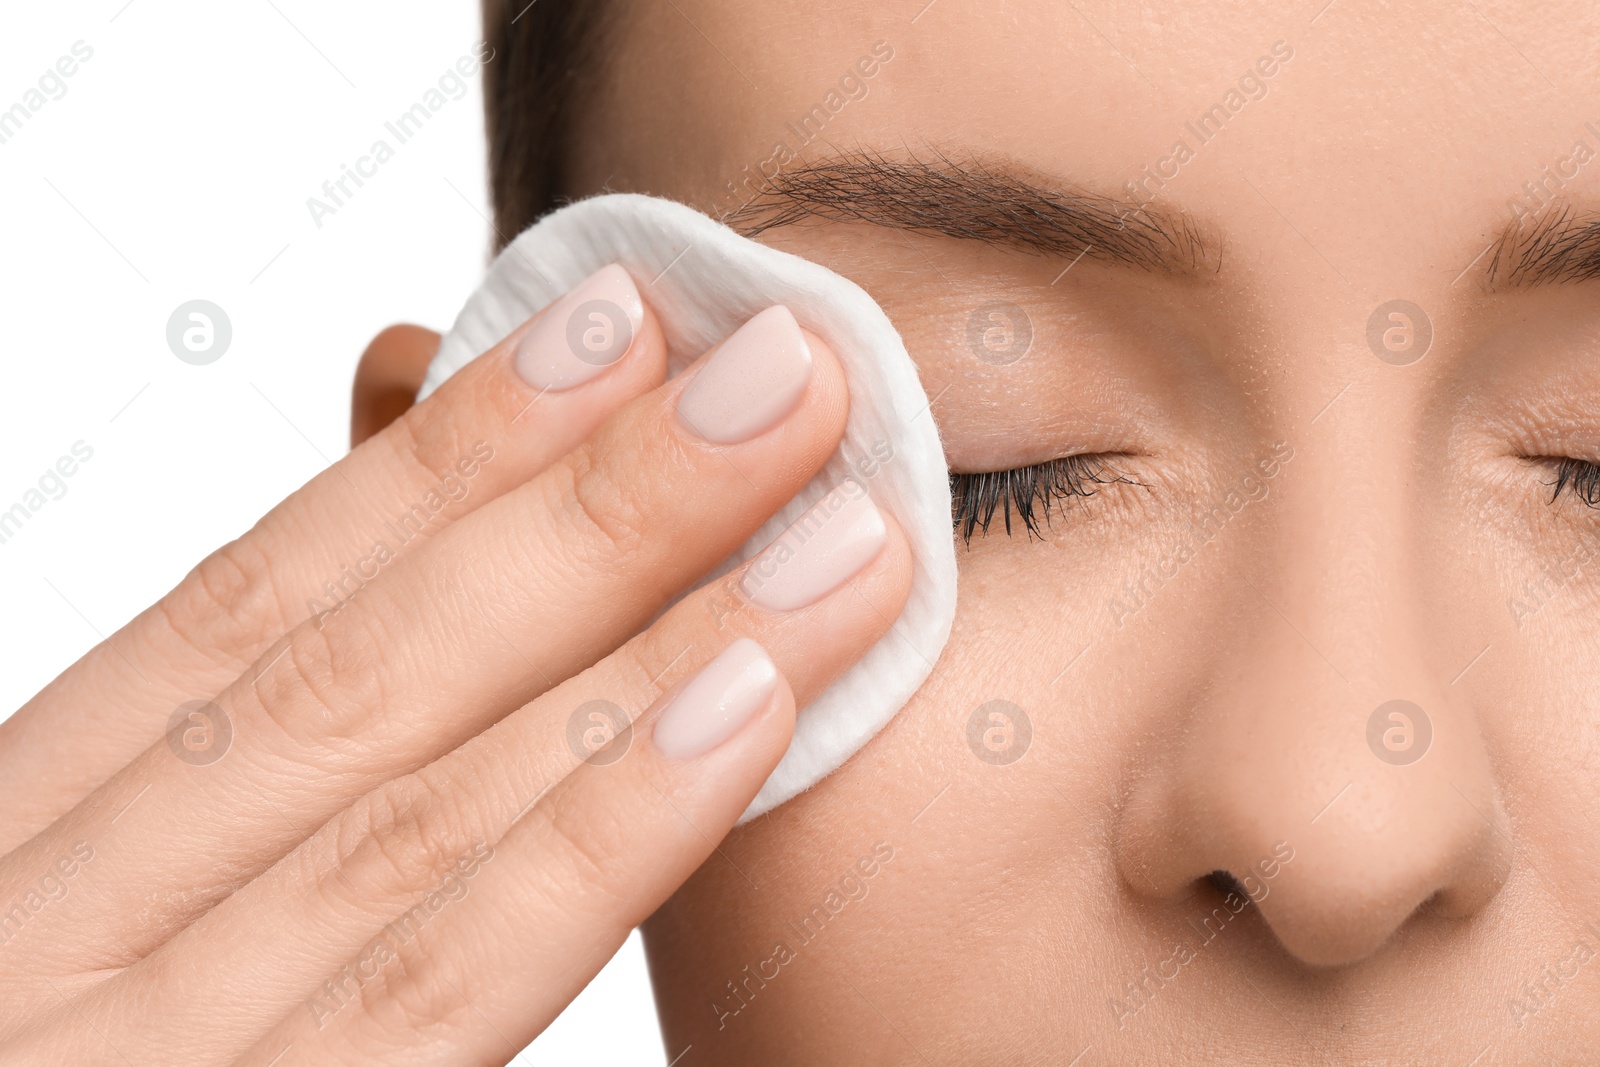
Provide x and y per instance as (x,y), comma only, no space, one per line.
(703,280)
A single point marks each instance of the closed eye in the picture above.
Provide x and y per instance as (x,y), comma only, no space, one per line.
(1579,477)
(1032,492)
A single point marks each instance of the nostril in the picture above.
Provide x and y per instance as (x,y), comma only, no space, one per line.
(1326,847)
(1224,883)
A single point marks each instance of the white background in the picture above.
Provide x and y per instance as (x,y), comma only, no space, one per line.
(177,166)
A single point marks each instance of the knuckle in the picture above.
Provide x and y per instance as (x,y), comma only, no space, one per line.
(329,682)
(412,832)
(602,505)
(229,605)
(652,661)
(588,858)
(431,443)
(425,997)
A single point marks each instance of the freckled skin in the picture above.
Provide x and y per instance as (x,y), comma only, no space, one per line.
(1318,524)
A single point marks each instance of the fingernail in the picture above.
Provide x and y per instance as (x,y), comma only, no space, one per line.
(582,333)
(820,551)
(717,701)
(751,382)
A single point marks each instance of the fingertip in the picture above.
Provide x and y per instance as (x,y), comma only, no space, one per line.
(895,563)
(829,387)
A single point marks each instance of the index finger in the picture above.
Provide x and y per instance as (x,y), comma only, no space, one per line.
(489,428)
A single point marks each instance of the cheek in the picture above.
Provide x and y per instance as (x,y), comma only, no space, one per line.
(1049,673)
(1515,596)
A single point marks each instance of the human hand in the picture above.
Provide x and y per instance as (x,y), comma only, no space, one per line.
(341,795)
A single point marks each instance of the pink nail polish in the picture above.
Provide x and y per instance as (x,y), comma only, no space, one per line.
(820,551)
(751,382)
(718,700)
(582,333)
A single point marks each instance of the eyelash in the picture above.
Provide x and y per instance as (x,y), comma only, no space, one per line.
(1578,476)
(1032,490)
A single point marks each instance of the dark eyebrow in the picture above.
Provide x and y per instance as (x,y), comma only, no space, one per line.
(1561,248)
(971,200)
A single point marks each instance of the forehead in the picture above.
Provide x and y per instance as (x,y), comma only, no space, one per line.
(1356,146)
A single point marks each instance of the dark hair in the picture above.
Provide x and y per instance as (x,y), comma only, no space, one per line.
(545,54)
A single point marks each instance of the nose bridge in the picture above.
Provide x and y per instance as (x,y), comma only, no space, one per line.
(1329,768)
(1341,571)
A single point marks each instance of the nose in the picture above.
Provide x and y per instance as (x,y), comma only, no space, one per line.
(1327,765)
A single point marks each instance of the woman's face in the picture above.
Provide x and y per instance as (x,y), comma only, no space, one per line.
(1324,623)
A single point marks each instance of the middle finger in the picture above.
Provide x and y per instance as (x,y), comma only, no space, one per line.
(507,602)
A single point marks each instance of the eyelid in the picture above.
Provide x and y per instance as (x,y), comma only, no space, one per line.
(1032,489)
(1580,477)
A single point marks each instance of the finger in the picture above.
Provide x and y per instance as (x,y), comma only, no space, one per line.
(600,858)
(213,1027)
(572,855)
(532,588)
(590,863)
(487,429)
(388,377)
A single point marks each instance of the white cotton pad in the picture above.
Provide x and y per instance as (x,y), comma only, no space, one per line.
(703,280)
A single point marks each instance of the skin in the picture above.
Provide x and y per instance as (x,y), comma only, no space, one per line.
(375,834)
(1057,905)
(1430,913)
